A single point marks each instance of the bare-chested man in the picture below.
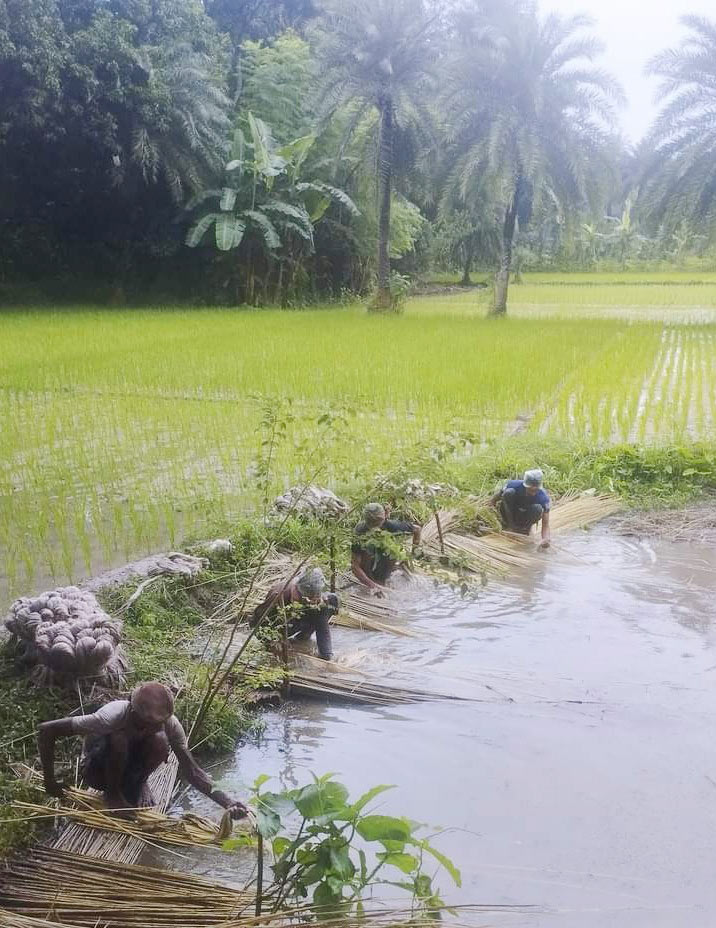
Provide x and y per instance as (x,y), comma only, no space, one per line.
(125,741)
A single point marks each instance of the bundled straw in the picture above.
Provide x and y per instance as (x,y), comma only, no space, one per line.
(109,845)
(498,552)
(79,890)
(146,825)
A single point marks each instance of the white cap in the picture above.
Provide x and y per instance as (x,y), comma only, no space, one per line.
(533,478)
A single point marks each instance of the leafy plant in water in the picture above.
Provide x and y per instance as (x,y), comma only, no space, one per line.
(323,858)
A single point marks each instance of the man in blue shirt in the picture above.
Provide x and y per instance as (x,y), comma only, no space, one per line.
(523,503)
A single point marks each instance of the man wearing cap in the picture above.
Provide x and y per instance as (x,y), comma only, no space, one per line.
(370,562)
(308,608)
(523,503)
(125,741)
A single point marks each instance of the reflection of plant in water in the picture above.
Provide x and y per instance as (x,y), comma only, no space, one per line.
(322,858)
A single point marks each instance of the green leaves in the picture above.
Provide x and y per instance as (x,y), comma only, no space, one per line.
(405,862)
(229,232)
(200,228)
(384,828)
(321,801)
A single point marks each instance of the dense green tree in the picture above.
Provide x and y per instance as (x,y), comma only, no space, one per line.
(679,185)
(376,55)
(528,116)
(110,111)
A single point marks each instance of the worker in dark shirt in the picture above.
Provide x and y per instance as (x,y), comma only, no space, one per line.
(374,558)
(307,607)
(523,503)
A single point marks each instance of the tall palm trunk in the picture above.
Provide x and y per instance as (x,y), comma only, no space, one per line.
(469,254)
(502,278)
(385,177)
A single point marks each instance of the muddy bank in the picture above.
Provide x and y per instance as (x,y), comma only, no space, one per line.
(693,524)
(585,784)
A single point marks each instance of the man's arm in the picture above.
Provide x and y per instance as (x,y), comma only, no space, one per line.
(495,498)
(417,535)
(47,734)
(361,574)
(200,779)
(273,599)
(546,534)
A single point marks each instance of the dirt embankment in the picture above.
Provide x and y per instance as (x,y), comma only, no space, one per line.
(695,523)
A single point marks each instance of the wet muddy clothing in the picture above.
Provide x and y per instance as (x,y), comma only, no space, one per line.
(141,761)
(519,510)
(142,751)
(304,619)
(376,563)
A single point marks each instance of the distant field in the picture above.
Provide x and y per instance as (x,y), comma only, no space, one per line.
(120,429)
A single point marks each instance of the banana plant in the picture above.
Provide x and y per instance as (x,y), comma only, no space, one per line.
(262,193)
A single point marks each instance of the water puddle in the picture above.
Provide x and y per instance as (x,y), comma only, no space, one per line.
(583,781)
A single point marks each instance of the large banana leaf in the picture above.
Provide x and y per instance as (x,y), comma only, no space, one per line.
(198,230)
(229,232)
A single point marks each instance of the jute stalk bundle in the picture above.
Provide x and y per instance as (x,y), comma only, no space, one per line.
(84,891)
(115,846)
(48,889)
(148,825)
(498,552)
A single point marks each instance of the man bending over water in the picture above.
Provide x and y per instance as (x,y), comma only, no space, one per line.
(125,741)
(307,608)
(522,503)
(372,561)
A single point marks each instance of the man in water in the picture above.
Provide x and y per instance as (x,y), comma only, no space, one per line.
(308,608)
(522,503)
(372,563)
(125,741)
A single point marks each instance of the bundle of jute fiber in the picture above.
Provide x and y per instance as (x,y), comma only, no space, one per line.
(66,632)
(147,825)
(79,890)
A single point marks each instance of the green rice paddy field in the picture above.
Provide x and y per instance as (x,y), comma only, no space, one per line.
(120,430)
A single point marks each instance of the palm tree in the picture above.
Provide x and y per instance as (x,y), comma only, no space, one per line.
(376,55)
(679,185)
(180,135)
(528,117)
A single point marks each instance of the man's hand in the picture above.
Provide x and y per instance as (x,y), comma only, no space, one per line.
(54,788)
(238,810)
(418,553)
(378,592)
(545,544)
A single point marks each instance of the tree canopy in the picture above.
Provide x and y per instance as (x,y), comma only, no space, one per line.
(466,133)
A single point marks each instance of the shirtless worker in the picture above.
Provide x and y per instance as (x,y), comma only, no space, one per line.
(308,607)
(522,503)
(369,564)
(125,741)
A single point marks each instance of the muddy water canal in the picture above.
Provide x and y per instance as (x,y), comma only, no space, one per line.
(583,781)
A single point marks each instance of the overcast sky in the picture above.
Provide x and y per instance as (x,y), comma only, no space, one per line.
(633,31)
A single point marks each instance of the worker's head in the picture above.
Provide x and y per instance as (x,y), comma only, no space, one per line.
(312,584)
(151,705)
(374,515)
(533,480)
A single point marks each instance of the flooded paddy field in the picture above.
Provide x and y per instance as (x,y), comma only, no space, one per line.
(582,782)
